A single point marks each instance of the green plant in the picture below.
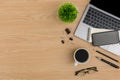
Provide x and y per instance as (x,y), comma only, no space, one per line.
(67,12)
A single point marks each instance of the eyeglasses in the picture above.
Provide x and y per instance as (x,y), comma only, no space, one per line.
(82,72)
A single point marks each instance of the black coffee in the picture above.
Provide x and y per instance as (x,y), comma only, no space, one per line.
(81,55)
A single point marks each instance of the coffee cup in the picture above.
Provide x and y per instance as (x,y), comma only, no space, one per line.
(81,56)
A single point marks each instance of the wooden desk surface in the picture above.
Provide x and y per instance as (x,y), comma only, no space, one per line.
(31,48)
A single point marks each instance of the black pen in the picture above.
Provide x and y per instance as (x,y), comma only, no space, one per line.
(107,56)
(109,63)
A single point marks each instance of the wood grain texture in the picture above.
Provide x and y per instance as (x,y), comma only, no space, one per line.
(31,48)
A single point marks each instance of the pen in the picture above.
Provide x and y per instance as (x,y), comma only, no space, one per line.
(107,62)
(107,56)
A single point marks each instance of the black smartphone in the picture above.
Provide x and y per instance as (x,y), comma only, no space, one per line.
(105,38)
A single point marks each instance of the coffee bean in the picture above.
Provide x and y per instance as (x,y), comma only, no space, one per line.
(62,41)
(71,38)
(67,30)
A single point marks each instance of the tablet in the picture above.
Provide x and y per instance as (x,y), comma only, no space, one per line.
(105,38)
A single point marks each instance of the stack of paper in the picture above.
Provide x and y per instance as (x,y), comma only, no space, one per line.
(114,48)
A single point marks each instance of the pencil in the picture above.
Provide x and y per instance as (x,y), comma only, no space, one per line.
(108,56)
(107,62)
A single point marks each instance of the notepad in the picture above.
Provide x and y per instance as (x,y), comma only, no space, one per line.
(94,30)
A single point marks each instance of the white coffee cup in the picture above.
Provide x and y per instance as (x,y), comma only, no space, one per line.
(81,56)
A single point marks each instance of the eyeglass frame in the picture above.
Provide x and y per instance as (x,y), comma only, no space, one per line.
(86,70)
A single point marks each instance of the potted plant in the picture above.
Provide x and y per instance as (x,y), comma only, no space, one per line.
(67,12)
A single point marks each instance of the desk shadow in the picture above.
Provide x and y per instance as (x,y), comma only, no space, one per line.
(70,56)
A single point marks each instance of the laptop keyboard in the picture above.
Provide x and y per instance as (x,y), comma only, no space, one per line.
(98,19)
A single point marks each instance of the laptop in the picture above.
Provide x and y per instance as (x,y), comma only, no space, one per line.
(102,14)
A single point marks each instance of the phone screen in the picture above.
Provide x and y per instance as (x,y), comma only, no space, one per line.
(105,38)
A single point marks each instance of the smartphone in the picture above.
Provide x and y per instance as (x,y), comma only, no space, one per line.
(105,38)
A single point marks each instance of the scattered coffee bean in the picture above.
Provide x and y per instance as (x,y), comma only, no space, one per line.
(71,38)
(67,30)
(62,41)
